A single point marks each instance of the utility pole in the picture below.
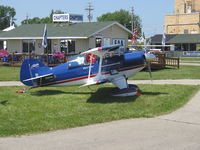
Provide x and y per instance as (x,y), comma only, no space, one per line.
(89,8)
(132,15)
(27,18)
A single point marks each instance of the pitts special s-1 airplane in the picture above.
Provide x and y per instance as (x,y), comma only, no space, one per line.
(96,66)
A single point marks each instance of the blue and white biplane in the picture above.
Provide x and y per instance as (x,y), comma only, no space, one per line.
(95,66)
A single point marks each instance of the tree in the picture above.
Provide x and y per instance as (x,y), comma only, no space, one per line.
(37,20)
(124,18)
(6,16)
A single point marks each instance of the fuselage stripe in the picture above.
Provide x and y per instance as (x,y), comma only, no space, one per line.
(70,80)
(91,76)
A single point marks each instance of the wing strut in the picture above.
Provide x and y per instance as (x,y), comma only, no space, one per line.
(90,68)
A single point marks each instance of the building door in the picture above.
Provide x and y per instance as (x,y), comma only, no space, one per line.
(98,42)
(67,46)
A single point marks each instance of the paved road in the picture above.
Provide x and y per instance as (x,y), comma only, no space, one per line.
(176,131)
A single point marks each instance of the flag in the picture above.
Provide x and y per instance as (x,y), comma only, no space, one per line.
(44,40)
(163,39)
(134,36)
(143,35)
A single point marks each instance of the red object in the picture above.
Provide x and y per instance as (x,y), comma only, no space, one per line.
(134,36)
(3,53)
(91,58)
(59,55)
(21,91)
(138,94)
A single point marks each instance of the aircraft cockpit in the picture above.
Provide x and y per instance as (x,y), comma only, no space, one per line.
(81,60)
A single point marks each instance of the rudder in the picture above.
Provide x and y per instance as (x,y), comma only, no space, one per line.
(30,69)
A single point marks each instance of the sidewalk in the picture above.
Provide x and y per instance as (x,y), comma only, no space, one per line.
(180,81)
(10,83)
(189,64)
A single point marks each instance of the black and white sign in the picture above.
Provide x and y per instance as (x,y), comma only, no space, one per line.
(67,18)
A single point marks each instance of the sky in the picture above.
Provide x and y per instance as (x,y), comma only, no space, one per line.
(151,12)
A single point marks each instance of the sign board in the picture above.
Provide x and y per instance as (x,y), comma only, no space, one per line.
(67,18)
(76,18)
(60,17)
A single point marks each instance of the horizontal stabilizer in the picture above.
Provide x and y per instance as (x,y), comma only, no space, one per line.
(38,77)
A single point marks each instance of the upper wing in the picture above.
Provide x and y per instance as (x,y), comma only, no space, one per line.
(100,51)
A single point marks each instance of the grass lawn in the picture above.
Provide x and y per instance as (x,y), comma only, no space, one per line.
(190,58)
(184,72)
(9,73)
(198,62)
(53,108)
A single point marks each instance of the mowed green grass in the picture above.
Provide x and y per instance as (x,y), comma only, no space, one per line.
(184,72)
(9,73)
(190,58)
(52,108)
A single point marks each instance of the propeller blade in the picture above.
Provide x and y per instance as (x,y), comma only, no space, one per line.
(149,57)
(149,69)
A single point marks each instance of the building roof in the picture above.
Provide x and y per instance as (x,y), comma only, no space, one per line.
(58,31)
(176,38)
(185,38)
(158,38)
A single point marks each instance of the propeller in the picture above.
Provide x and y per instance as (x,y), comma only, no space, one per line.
(149,69)
(149,57)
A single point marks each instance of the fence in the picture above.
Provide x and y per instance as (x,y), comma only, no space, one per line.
(48,59)
(161,61)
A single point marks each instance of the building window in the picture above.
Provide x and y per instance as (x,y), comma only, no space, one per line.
(185,47)
(193,47)
(28,46)
(119,41)
(178,47)
(186,31)
(106,41)
(98,42)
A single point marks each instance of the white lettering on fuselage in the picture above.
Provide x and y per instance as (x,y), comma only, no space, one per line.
(35,66)
(84,68)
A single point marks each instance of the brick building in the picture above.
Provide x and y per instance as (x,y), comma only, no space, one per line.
(186,18)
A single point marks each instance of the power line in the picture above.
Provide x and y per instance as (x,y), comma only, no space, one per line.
(89,8)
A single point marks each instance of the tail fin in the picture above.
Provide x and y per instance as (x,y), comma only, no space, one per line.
(30,69)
